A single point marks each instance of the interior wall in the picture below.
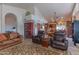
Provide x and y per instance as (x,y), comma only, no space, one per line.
(76,9)
(19,14)
(38,18)
(76,12)
(68,18)
(0,17)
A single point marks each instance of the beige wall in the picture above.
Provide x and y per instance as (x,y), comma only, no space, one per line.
(0,18)
(19,14)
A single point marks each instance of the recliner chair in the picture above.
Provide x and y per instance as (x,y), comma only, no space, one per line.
(37,39)
(59,41)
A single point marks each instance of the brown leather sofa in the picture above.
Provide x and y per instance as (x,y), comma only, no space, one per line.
(9,39)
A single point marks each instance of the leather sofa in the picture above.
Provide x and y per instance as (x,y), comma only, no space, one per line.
(37,39)
(9,39)
(59,41)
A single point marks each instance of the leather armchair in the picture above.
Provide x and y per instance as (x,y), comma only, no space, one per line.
(60,45)
(59,41)
(37,39)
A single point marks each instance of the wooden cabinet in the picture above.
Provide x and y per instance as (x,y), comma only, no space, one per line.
(28,29)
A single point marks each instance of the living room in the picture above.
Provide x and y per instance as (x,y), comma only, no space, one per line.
(38,29)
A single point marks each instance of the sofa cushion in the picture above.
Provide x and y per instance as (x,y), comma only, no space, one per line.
(59,38)
(59,43)
(7,42)
(16,39)
(3,37)
(60,47)
(13,35)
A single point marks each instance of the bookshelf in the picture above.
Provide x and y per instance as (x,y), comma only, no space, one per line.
(28,29)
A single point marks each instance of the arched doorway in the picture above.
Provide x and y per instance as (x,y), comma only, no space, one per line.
(10,22)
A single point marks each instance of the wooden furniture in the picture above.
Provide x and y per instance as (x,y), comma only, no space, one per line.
(51,28)
(28,29)
(45,41)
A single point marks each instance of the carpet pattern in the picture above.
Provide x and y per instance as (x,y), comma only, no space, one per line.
(29,48)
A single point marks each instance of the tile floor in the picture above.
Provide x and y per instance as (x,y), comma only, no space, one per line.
(29,48)
(72,50)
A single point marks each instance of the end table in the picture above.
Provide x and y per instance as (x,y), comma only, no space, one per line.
(45,42)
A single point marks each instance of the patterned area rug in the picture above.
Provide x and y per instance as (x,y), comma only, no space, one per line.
(29,48)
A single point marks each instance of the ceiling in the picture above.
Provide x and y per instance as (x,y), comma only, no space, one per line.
(48,9)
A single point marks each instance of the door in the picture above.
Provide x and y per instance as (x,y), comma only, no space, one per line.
(76,31)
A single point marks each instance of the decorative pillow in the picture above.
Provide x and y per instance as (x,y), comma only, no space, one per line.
(7,35)
(7,42)
(3,37)
(14,35)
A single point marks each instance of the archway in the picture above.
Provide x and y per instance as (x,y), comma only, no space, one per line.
(10,22)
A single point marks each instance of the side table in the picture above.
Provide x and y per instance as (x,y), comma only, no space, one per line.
(45,42)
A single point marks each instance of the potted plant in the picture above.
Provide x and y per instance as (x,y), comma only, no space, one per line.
(28,13)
